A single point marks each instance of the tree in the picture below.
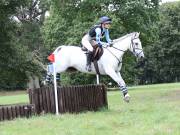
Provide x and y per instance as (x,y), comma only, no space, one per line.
(164,55)
(22,46)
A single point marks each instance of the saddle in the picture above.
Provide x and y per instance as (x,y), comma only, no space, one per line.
(97,53)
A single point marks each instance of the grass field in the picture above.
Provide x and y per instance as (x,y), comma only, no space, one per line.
(153,110)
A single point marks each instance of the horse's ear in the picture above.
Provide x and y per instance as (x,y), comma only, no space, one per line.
(137,34)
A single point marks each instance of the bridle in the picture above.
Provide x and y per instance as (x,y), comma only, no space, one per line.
(135,48)
(132,45)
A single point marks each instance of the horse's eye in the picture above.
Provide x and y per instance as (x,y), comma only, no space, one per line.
(136,43)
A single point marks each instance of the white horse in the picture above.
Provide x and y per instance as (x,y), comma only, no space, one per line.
(109,64)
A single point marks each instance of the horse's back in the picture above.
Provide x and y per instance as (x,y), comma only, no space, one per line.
(70,55)
(71,51)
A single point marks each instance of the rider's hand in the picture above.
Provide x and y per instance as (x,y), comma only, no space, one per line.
(110,43)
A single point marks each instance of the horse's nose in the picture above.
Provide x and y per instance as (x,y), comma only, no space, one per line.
(141,55)
(141,62)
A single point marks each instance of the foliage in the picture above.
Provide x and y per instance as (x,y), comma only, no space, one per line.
(21,42)
(27,36)
(7,49)
(163,56)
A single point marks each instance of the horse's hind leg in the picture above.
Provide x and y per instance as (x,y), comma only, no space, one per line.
(49,74)
(48,78)
(58,78)
(118,79)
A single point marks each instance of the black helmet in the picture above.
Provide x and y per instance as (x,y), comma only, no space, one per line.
(105,19)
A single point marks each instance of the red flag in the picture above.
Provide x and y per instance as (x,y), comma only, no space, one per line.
(51,58)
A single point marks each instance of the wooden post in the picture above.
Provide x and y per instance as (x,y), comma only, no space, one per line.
(55,87)
(97,77)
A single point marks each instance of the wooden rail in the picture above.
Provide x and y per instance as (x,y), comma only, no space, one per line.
(71,99)
(9,112)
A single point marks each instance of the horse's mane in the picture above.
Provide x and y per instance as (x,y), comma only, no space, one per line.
(123,37)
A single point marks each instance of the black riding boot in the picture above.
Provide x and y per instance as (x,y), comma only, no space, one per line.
(89,60)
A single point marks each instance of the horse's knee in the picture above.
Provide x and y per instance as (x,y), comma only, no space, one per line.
(113,75)
(108,71)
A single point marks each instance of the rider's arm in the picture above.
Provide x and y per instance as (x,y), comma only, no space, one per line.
(107,36)
(98,36)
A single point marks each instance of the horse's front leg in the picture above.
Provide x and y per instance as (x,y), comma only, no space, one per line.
(118,79)
(123,87)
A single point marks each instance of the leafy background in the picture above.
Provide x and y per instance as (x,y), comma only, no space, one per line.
(25,42)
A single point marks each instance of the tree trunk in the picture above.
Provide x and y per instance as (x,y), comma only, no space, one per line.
(33,82)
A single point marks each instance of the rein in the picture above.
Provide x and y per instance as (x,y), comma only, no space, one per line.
(115,56)
(118,49)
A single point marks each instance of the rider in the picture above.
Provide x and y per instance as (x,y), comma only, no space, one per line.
(95,35)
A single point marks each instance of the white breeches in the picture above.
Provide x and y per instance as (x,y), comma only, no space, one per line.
(86,42)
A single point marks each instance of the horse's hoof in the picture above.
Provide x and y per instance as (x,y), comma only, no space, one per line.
(88,68)
(127,98)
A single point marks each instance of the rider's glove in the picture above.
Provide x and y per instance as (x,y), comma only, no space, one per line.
(110,43)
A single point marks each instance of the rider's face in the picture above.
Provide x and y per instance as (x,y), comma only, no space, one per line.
(107,25)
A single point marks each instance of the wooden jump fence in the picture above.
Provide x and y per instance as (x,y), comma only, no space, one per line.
(9,112)
(71,99)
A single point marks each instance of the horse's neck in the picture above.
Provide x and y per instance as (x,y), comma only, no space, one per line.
(123,44)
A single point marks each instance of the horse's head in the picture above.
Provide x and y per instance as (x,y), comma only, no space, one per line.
(136,46)
(130,42)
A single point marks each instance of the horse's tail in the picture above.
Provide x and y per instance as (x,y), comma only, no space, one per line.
(51,57)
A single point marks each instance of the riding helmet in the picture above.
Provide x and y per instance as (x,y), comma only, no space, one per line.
(105,19)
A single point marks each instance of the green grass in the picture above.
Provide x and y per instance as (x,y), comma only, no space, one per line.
(13,97)
(153,110)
